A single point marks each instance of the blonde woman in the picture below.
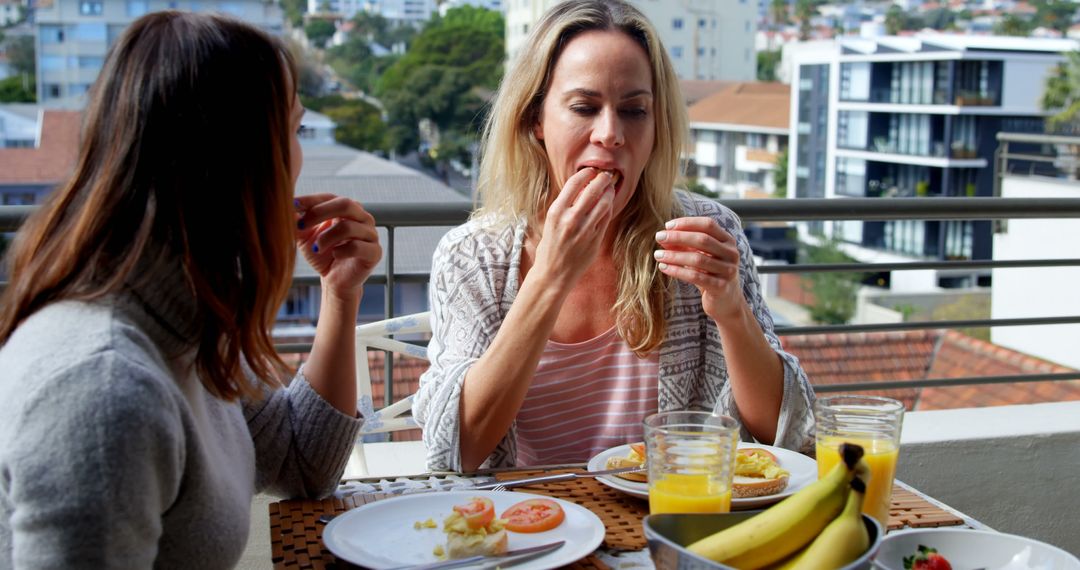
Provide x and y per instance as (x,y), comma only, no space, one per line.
(586,293)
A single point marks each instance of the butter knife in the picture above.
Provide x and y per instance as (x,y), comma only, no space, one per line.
(508,558)
(500,485)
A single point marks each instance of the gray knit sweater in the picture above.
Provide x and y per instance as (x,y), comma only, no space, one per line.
(112,456)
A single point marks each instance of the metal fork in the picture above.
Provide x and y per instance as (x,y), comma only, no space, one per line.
(504,485)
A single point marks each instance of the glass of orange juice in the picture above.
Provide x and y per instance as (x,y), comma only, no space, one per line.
(691,459)
(872,422)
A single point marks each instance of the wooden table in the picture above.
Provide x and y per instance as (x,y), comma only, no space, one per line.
(296,534)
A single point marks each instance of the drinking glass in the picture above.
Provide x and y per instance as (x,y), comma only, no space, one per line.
(691,460)
(872,422)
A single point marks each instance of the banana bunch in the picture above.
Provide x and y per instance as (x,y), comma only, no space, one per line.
(820,527)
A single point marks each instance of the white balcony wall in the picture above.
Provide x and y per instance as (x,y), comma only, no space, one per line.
(1038,291)
(1012,468)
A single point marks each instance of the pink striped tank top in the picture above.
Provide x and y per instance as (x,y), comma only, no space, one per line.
(585,397)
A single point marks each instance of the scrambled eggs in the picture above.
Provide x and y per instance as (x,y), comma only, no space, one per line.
(757,465)
(455,523)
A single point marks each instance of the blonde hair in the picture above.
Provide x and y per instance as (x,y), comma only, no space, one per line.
(514,180)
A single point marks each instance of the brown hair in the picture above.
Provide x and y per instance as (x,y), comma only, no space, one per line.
(184,152)
(514,179)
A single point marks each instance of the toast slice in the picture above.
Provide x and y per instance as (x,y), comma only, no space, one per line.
(460,545)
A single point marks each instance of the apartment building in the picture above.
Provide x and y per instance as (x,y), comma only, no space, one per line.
(706,39)
(73,36)
(397,12)
(38,149)
(738,135)
(895,117)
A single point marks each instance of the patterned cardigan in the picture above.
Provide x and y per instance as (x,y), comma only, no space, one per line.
(475,276)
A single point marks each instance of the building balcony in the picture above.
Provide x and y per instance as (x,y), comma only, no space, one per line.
(749,159)
(1004,465)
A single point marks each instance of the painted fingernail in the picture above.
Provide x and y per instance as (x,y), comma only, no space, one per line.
(300,224)
(670,225)
(315,248)
(662,266)
(296,203)
(661,236)
(659,254)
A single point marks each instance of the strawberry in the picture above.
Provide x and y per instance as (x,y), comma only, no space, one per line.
(926,559)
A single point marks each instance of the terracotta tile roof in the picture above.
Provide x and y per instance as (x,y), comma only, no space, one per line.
(53,160)
(910,355)
(694,90)
(962,355)
(758,104)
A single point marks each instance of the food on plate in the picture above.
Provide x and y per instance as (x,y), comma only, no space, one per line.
(636,458)
(788,526)
(472,529)
(842,541)
(533,515)
(430,523)
(926,558)
(757,474)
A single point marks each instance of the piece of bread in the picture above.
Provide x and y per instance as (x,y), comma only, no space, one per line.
(635,458)
(754,480)
(464,545)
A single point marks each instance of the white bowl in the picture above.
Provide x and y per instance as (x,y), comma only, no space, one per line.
(966,548)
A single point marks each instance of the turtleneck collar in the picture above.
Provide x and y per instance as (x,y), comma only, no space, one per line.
(158,298)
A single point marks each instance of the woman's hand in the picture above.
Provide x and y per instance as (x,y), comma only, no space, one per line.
(575,225)
(700,252)
(339,240)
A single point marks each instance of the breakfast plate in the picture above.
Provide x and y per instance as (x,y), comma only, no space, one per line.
(381,535)
(802,469)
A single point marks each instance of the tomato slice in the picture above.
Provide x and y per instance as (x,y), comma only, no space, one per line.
(534,515)
(478,513)
(638,448)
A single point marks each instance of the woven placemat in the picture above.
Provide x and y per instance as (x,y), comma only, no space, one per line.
(296,534)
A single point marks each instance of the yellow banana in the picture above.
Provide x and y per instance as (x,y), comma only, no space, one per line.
(788,525)
(844,540)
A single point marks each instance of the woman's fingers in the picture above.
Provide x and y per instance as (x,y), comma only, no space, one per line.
(332,233)
(315,209)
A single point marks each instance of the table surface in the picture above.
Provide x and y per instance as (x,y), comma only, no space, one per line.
(296,533)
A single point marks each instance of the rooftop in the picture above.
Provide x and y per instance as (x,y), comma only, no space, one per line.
(749,104)
(54,157)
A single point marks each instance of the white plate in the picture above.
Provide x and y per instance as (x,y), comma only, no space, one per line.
(380,535)
(802,469)
(966,548)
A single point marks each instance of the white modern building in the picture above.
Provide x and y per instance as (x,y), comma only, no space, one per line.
(73,36)
(707,39)
(1039,291)
(893,117)
(738,135)
(397,12)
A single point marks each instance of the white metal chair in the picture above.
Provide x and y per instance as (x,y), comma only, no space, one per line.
(395,416)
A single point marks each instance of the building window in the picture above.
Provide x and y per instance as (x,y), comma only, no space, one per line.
(51,34)
(748,25)
(86,32)
(677,23)
(676,52)
(52,62)
(52,91)
(91,7)
(701,23)
(701,52)
(136,8)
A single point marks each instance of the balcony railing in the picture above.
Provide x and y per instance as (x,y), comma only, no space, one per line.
(398,215)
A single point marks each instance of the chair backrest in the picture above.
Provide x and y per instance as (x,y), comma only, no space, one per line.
(392,416)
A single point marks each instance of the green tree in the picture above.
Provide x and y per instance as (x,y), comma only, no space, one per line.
(778,13)
(1055,14)
(14,90)
(20,51)
(966,308)
(894,20)
(359,125)
(834,292)
(438,78)
(780,176)
(319,32)
(1013,25)
(294,11)
(804,11)
(1062,93)
(695,186)
(766,65)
